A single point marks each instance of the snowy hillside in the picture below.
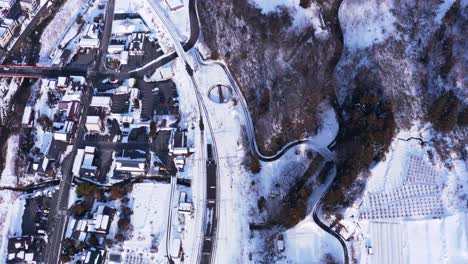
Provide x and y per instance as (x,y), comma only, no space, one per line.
(8,88)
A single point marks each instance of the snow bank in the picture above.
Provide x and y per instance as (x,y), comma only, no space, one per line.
(365,23)
(8,177)
(308,243)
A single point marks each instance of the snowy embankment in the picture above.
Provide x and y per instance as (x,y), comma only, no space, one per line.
(7,91)
(11,208)
(58,28)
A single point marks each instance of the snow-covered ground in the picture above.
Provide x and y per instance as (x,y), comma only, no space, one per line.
(308,243)
(150,205)
(365,22)
(413,209)
(11,206)
(441,240)
(179,17)
(302,16)
(8,89)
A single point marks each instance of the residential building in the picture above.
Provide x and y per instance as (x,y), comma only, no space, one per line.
(102,220)
(66,132)
(101,103)
(94,256)
(26,249)
(29,5)
(128,26)
(94,124)
(88,168)
(129,163)
(90,43)
(7,29)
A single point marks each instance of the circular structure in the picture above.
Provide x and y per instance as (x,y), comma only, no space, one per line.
(220,93)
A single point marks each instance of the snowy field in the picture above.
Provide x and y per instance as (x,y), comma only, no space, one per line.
(425,241)
(308,243)
(150,204)
(414,208)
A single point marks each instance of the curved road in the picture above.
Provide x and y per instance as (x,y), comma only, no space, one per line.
(328,229)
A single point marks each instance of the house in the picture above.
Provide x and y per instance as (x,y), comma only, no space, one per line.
(91,31)
(102,220)
(102,103)
(73,111)
(88,169)
(185,208)
(79,229)
(128,26)
(129,163)
(115,48)
(28,117)
(94,124)
(7,29)
(90,43)
(77,162)
(178,142)
(62,82)
(94,256)
(66,132)
(29,5)
(26,249)
(136,44)
(53,154)
(174,4)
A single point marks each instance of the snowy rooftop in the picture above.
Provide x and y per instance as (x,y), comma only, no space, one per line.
(128,26)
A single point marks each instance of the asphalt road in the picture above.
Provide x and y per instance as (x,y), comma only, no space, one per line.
(53,249)
(105,36)
(329,230)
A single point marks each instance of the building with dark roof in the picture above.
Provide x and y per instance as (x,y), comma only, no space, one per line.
(26,249)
